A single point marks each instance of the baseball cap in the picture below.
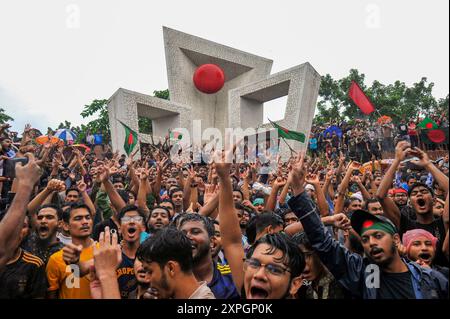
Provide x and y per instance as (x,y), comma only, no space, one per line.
(361,218)
(310,187)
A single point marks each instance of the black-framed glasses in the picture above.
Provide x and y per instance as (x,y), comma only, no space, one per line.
(272,269)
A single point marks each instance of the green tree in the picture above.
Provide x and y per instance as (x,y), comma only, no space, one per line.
(4,117)
(99,125)
(396,100)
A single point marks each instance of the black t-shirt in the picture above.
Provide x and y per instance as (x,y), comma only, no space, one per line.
(101,227)
(39,248)
(402,129)
(25,278)
(436,228)
(396,286)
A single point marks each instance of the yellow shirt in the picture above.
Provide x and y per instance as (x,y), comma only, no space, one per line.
(65,278)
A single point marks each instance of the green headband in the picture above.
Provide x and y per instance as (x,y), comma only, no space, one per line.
(377,225)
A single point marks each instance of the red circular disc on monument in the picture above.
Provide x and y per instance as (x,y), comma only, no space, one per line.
(209,78)
(436,136)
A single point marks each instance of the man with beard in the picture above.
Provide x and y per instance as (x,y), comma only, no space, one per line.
(167,203)
(216,245)
(132,223)
(167,257)
(142,279)
(238,196)
(383,274)
(23,276)
(421,199)
(65,281)
(159,218)
(200,230)
(318,282)
(43,242)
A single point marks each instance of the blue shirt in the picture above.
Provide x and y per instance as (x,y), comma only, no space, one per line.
(313,143)
(125,276)
(222,284)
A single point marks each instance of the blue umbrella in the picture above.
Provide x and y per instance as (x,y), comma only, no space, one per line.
(66,135)
(331,129)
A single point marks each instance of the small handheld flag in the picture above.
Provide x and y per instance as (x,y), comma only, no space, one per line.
(131,139)
(288,134)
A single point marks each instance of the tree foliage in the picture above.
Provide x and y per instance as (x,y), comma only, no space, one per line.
(4,117)
(396,100)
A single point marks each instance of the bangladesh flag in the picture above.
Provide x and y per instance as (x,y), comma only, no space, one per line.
(131,139)
(288,134)
(434,136)
(428,124)
(176,135)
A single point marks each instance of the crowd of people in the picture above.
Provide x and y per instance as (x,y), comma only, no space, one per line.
(364,140)
(78,224)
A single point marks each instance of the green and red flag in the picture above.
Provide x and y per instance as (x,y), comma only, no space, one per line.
(288,134)
(175,135)
(131,139)
(428,124)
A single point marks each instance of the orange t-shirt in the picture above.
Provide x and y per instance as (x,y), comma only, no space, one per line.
(65,278)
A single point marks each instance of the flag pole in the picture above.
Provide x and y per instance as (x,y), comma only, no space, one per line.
(290,148)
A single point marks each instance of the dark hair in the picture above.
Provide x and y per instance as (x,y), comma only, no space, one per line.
(300,238)
(160,207)
(415,185)
(282,212)
(239,206)
(72,189)
(118,179)
(267,219)
(250,230)
(59,212)
(239,191)
(370,201)
(167,200)
(174,190)
(167,244)
(131,208)
(292,255)
(123,194)
(68,212)
(207,223)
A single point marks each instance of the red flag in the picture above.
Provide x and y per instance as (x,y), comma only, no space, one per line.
(360,99)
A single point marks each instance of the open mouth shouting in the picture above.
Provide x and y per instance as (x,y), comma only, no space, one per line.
(43,231)
(258,291)
(376,253)
(422,204)
(425,257)
(131,232)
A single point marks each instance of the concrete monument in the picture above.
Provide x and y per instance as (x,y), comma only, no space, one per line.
(248,85)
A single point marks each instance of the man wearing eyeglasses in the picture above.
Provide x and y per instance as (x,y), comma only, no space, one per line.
(273,265)
(132,223)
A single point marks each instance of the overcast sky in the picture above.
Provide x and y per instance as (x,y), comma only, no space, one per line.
(57,55)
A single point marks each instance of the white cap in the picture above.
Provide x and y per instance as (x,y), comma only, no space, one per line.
(310,187)
(357,195)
